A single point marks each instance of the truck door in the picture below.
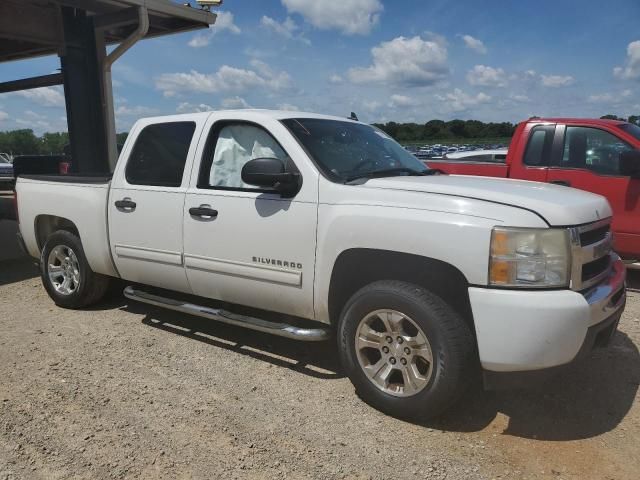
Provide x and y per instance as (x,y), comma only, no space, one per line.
(146,205)
(242,244)
(590,160)
(532,156)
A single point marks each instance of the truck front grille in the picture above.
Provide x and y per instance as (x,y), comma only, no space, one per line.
(591,249)
(594,236)
(592,269)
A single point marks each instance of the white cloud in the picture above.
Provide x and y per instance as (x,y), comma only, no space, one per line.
(335,78)
(351,17)
(45,96)
(459,101)
(125,73)
(487,76)
(400,101)
(631,69)
(371,105)
(186,107)
(226,79)
(224,22)
(519,98)
(34,115)
(404,61)
(288,107)
(610,98)
(233,103)
(135,111)
(287,29)
(3,116)
(556,81)
(474,44)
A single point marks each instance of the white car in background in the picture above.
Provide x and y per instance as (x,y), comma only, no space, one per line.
(493,156)
(7,179)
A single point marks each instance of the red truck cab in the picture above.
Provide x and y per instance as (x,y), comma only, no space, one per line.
(600,156)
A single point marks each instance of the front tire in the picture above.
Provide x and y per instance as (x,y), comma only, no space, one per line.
(406,351)
(66,274)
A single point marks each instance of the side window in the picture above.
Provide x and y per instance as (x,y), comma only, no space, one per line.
(538,150)
(500,157)
(159,154)
(593,149)
(235,145)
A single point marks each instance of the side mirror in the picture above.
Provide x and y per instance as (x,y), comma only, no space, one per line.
(271,173)
(630,163)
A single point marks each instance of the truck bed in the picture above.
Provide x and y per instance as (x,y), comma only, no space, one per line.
(46,200)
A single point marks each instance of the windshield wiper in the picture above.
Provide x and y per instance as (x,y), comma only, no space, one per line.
(389,172)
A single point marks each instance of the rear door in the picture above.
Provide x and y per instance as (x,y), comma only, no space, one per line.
(532,157)
(589,159)
(146,205)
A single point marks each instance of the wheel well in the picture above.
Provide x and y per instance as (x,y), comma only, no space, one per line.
(356,268)
(47,224)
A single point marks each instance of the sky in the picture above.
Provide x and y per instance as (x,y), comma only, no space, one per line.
(400,60)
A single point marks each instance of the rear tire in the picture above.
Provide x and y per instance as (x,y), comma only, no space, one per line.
(66,274)
(406,351)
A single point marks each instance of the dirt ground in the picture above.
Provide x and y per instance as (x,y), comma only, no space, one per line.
(126,391)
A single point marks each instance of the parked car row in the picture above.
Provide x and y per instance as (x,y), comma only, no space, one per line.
(440,150)
(7,178)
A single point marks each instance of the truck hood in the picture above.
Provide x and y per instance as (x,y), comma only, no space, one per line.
(557,205)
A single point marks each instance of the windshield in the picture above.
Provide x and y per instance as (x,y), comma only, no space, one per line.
(631,129)
(347,150)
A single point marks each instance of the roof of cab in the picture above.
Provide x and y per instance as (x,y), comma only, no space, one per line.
(244,113)
(580,121)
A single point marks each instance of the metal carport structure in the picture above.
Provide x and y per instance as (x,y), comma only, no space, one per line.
(79,32)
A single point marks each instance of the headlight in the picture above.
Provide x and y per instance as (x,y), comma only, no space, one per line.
(529,257)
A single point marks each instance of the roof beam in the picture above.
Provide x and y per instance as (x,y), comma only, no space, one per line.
(32,82)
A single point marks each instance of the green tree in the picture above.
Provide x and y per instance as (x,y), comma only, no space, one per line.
(54,143)
(610,117)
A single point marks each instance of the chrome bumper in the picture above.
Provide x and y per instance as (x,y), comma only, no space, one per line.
(608,296)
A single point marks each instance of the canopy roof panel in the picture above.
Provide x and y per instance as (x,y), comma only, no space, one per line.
(31,28)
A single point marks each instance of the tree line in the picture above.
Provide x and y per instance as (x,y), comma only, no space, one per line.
(441,130)
(460,129)
(26,142)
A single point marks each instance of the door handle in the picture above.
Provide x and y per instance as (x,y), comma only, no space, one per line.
(125,204)
(564,183)
(203,211)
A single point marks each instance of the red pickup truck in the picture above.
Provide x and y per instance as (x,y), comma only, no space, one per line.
(600,156)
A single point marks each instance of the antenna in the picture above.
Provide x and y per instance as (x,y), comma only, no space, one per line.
(353,116)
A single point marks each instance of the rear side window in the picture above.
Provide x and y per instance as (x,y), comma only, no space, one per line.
(538,153)
(159,154)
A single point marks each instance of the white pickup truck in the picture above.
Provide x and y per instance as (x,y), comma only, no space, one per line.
(305,225)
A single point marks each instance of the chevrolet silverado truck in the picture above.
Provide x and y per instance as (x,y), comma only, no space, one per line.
(309,226)
(596,155)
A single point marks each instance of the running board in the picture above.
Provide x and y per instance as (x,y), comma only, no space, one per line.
(275,328)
